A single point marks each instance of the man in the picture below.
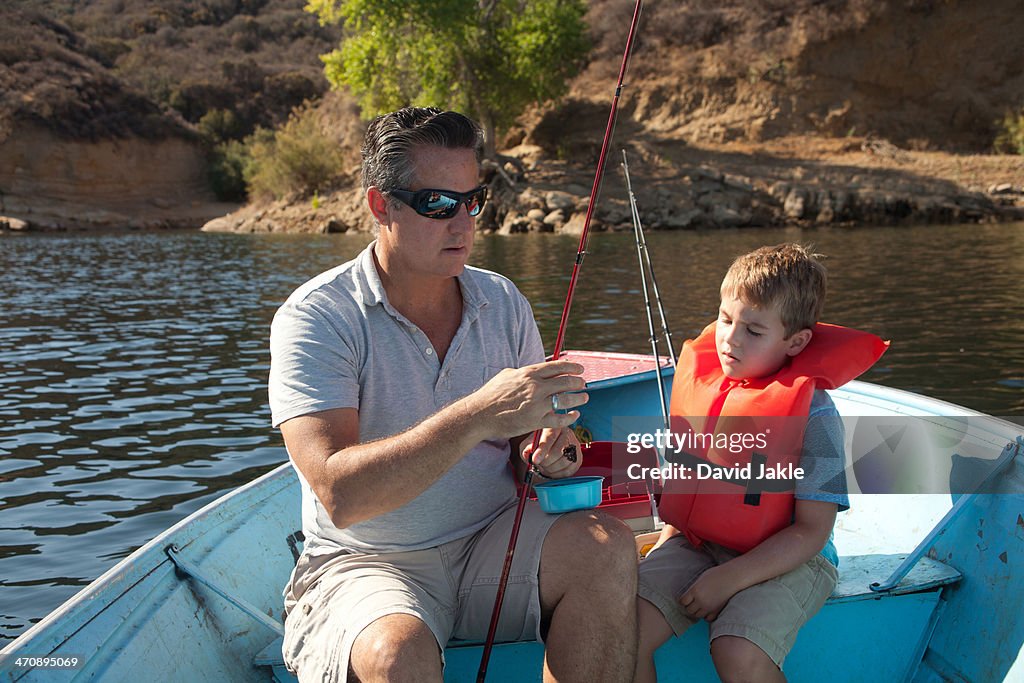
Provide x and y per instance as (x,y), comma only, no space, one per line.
(404,382)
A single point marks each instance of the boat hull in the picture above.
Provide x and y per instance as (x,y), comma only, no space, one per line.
(150,618)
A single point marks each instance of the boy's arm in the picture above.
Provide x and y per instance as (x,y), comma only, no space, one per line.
(776,555)
(667,532)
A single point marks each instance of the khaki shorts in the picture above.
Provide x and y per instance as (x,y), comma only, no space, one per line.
(451,588)
(768,614)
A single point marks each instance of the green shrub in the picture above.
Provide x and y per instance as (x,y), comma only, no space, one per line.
(1010,138)
(228,162)
(219,125)
(297,158)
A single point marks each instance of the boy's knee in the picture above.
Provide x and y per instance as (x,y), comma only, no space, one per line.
(653,629)
(737,660)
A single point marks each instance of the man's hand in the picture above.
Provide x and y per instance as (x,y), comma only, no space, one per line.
(550,457)
(708,594)
(518,401)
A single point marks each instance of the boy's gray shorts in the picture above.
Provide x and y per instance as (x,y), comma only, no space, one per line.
(768,614)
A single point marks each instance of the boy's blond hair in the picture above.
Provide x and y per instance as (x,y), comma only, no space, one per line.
(788,277)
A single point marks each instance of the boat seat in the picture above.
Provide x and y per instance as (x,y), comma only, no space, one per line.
(856,574)
(270,656)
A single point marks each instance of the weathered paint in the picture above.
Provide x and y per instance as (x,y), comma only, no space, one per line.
(141,620)
(843,636)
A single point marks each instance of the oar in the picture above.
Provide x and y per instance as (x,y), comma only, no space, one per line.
(581,250)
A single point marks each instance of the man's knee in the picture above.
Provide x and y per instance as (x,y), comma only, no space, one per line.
(397,647)
(591,541)
(594,531)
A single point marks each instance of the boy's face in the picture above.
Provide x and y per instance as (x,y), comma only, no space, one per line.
(752,342)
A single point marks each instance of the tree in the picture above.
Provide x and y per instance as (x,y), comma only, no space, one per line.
(487,58)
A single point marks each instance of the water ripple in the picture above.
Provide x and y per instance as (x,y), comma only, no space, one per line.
(133,367)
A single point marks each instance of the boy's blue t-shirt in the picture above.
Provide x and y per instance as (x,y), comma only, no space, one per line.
(823,460)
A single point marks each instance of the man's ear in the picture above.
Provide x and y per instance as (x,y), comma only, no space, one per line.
(378,204)
(798,341)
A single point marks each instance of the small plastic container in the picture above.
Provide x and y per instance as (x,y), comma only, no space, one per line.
(566,495)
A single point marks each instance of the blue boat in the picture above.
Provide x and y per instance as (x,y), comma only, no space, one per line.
(931,586)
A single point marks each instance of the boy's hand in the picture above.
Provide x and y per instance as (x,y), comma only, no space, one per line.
(667,532)
(708,594)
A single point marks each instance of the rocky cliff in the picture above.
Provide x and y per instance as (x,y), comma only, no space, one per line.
(78,149)
(129,182)
(922,74)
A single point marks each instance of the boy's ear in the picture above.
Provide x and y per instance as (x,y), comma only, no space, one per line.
(798,341)
(378,204)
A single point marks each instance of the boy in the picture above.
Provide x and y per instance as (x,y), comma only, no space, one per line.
(756,562)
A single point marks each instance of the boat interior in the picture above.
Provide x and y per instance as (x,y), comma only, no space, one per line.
(930,585)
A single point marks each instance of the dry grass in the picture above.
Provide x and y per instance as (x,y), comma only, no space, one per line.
(63,61)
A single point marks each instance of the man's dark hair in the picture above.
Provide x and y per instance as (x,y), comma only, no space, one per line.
(390,139)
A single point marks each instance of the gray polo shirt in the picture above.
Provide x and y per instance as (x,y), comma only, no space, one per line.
(338,343)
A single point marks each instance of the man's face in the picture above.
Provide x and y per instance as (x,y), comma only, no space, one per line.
(430,246)
(751,342)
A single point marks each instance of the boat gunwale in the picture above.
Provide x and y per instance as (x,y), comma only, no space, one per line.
(871,394)
(125,575)
(146,560)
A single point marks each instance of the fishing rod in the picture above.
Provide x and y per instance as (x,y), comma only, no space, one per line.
(650,269)
(645,266)
(559,340)
(643,256)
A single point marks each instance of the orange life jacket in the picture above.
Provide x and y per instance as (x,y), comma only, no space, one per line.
(751,423)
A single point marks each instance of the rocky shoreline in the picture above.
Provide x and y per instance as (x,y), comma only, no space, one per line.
(839,183)
(804,181)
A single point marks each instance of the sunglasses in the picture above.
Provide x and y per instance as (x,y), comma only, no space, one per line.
(442,204)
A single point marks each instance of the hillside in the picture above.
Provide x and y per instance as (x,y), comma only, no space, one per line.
(752,112)
(759,112)
(739,112)
(91,95)
(923,74)
(77,146)
(49,79)
(255,58)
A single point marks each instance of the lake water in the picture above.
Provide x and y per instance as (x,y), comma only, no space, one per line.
(133,367)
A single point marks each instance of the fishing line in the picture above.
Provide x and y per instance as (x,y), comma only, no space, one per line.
(641,248)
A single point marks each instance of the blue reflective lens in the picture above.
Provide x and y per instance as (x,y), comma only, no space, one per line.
(437,204)
(442,204)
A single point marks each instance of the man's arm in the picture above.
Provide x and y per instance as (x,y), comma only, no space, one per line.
(357,481)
